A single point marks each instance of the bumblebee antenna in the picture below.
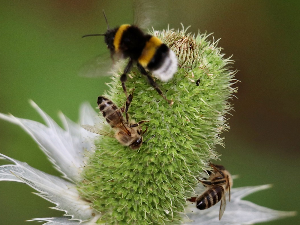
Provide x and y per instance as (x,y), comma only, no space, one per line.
(91,35)
(105,19)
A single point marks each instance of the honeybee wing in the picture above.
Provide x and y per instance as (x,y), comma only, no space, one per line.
(95,130)
(229,191)
(222,205)
(123,126)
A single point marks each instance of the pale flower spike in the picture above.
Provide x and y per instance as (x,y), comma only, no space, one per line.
(65,196)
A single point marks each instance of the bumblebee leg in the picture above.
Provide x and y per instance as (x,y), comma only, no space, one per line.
(153,83)
(123,77)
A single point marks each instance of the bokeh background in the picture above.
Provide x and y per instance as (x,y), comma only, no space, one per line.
(41,52)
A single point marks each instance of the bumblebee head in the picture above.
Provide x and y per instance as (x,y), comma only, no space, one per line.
(109,38)
(108,35)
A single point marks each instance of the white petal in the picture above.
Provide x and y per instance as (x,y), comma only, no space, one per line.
(87,115)
(90,120)
(57,221)
(237,211)
(82,141)
(65,149)
(54,189)
(61,221)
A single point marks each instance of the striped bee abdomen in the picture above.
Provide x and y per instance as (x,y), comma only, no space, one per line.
(218,184)
(128,134)
(210,197)
(164,63)
(110,111)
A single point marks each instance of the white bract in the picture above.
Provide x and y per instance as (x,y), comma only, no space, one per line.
(69,148)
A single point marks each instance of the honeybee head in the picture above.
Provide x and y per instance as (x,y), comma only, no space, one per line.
(137,143)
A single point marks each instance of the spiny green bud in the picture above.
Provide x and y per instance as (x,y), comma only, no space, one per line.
(150,185)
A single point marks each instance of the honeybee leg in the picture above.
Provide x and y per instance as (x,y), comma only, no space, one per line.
(127,104)
(192,199)
(153,83)
(139,123)
(211,183)
(227,179)
(146,131)
(208,172)
(206,182)
(216,169)
(123,77)
(143,121)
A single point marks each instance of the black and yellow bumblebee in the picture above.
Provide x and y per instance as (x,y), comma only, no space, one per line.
(147,51)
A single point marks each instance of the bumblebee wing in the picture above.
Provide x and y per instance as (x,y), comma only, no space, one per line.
(97,66)
(222,206)
(144,12)
(101,65)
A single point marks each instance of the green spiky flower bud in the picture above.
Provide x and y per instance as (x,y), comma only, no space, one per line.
(150,185)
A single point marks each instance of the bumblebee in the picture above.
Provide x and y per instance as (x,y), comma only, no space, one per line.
(147,51)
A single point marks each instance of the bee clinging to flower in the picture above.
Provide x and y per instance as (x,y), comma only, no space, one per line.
(148,52)
(218,184)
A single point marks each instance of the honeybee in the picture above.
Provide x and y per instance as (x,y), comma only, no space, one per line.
(128,134)
(218,184)
(147,51)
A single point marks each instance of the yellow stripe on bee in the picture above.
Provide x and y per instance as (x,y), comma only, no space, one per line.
(148,52)
(119,35)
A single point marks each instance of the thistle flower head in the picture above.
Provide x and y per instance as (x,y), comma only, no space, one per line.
(134,186)
(108,183)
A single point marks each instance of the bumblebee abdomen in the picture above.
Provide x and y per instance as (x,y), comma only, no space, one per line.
(152,47)
(159,59)
(210,198)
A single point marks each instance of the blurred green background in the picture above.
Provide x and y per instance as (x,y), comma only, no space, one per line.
(41,52)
